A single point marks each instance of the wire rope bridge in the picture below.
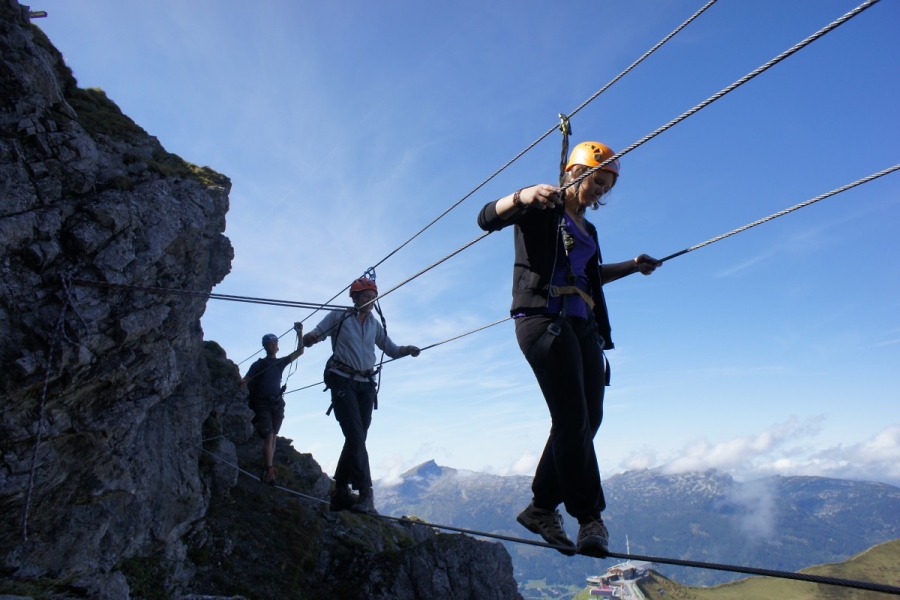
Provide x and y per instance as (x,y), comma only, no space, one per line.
(564,127)
(832,581)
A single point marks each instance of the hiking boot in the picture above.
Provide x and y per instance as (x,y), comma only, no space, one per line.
(341,499)
(593,539)
(366,502)
(268,475)
(549,525)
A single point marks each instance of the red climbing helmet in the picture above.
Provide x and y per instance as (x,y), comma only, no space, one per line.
(591,154)
(361,284)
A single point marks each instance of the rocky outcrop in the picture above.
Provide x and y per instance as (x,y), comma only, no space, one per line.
(87,194)
(264,542)
(107,488)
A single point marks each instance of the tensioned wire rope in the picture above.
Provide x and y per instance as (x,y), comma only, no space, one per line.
(667,126)
(210,295)
(564,126)
(824,580)
(793,49)
(517,156)
(764,572)
(797,47)
(423,349)
(759,70)
(713,240)
(781,213)
(834,24)
(667,258)
(551,130)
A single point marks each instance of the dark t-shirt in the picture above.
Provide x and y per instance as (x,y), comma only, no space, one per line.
(264,377)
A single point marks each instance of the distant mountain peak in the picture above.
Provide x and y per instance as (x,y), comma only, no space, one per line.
(427,470)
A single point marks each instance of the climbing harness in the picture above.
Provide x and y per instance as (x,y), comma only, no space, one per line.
(423,349)
(584,152)
(366,282)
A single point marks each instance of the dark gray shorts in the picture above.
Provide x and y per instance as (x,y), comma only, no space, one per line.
(269,416)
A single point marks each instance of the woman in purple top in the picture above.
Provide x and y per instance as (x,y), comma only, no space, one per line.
(562,327)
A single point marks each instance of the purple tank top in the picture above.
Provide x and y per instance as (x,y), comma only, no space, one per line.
(578,257)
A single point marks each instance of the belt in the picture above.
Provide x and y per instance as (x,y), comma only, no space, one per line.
(333,363)
(571,289)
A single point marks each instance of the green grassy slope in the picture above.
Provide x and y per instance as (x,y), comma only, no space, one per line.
(879,564)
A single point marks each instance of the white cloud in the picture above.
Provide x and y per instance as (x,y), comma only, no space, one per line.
(757,508)
(786,449)
(524,465)
(645,458)
(393,469)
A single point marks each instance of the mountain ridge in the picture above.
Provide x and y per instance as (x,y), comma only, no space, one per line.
(776,522)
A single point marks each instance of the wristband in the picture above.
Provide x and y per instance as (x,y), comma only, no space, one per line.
(517,199)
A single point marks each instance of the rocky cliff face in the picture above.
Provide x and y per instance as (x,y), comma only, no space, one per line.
(105,488)
(88,194)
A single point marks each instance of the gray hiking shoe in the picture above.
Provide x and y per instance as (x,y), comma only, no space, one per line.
(366,502)
(593,539)
(549,525)
(341,499)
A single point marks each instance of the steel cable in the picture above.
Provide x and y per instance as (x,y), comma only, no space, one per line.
(784,212)
(211,295)
(793,49)
(633,146)
(520,154)
(423,349)
(824,580)
(675,121)
(549,131)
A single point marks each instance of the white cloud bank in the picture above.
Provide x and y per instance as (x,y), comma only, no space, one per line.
(784,449)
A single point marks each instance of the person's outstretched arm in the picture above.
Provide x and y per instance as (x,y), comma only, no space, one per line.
(298,327)
(644,264)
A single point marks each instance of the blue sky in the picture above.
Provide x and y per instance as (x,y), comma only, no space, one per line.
(346,127)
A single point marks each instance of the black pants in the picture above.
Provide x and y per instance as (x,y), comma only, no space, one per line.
(353,402)
(572,376)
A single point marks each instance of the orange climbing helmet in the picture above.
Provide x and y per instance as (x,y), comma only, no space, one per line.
(361,284)
(591,154)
